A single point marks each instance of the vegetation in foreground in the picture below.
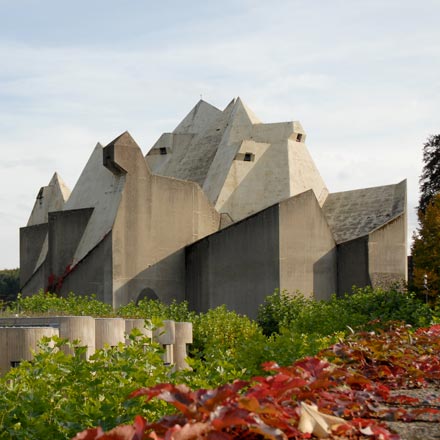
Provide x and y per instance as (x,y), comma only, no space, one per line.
(350,384)
(59,394)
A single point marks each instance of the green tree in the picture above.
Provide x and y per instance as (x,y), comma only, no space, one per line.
(430,178)
(426,251)
(9,284)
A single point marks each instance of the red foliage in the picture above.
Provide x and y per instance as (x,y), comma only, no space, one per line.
(351,380)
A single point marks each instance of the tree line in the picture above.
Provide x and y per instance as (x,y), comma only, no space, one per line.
(9,284)
(425,249)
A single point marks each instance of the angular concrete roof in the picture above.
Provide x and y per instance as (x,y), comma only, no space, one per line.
(236,158)
(354,214)
(50,198)
(196,121)
(96,188)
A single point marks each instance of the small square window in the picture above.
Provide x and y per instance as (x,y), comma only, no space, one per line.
(163,150)
(299,137)
(15,364)
(247,157)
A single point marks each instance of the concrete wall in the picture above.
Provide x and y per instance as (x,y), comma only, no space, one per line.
(238,266)
(65,231)
(93,275)
(387,253)
(164,280)
(157,216)
(31,244)
(353,265)
(308,258)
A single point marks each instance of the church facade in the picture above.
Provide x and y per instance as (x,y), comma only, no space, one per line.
(223,210)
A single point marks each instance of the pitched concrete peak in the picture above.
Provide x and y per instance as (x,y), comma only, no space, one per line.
(58,182)
(199,118)
(50,198)
(124,140)
(251,115)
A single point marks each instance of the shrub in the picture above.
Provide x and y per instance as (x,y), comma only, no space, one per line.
(365,308)
(58,394)
(155,309)
(52,304)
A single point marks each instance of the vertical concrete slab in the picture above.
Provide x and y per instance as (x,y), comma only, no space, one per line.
(94,274)
(387,254)
(161,213)
(303,172)
(31,243)
(353,267)
(238,266)
(65,232)
(308,259)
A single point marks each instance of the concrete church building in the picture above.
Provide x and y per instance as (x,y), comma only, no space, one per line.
(223,210)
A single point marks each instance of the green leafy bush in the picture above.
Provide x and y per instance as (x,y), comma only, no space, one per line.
(155,309)
(58,394)
(52,304)
(359,309)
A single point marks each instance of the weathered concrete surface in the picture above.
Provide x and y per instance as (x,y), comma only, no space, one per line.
(109,332)
(308,260)
(17,344)
(50,198)
(32,240)
(238,266)
(163,214)
(369,226)
(243,165)
(132,227)
(93,274)
(66,229)
(354,214)
(81,328)
(100,189)
(34,237)
(387,253)
(353,265)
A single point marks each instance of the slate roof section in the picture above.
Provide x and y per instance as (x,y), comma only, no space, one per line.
(354,214)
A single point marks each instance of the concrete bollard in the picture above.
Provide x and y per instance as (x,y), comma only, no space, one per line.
(166,335)
(16,344)
(110,331)
(184,336)
(130,324)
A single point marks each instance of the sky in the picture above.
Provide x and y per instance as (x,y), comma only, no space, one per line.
(362,77)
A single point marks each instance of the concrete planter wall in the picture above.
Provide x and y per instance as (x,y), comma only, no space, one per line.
(18,336)
(109,331)
(130,324)
(17,344)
